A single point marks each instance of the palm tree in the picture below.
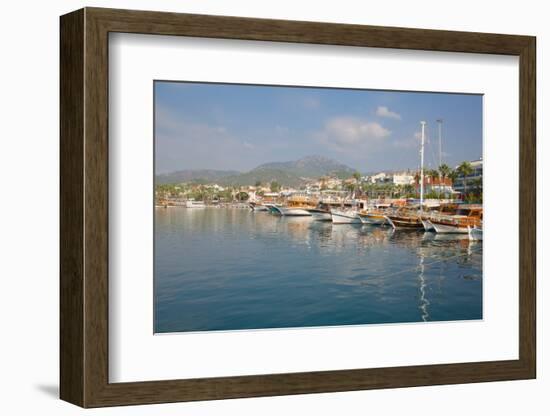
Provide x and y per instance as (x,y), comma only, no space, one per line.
(478,188)
(465,169)
(417,180)
(444,171)
(433,174)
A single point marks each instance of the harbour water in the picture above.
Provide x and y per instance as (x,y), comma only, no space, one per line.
(233,269)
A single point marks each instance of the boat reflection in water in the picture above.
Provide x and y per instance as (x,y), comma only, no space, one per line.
(229,269)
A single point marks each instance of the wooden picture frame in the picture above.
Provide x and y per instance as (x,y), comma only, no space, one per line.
(84,207)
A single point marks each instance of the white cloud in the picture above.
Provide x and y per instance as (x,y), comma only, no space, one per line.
(347,133)
(383,111)
(184,144)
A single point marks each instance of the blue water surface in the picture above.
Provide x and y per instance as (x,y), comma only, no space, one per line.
(233,269)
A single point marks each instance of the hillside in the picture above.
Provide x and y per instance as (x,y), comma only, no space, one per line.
(307,167)
(189,175)
(291,173)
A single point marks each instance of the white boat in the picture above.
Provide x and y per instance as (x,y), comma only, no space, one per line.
(194,204)
(258,207)
(320,214)
(475,233)
(345,217)
(428,226)
(292,211)
(449,229)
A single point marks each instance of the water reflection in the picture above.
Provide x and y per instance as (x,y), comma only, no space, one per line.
(235,269)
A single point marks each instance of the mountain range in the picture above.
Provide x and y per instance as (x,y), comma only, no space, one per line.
(290,173)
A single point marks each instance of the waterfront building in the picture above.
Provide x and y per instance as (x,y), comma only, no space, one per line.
(472,180)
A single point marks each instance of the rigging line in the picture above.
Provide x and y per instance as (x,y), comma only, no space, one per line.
(432,152)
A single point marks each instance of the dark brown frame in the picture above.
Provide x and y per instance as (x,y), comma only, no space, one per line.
(84,207)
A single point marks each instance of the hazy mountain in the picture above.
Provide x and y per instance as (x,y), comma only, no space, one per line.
(190,175)
(308,167)
(292,173)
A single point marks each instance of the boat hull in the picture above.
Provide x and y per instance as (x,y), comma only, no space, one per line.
(428,226)
(373,219)
(448,228)
(342,217)
(319,215)
(259,208)
(293,212)
(407,223)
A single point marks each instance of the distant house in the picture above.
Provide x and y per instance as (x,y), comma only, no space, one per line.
(439,185)
(404,178)
(379,177)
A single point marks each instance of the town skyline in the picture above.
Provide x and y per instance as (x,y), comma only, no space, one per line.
(239,127)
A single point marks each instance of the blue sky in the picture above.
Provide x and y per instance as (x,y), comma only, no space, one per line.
(238,127)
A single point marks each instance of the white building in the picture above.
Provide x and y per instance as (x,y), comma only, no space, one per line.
(379,177)
(404,178)
(476,175)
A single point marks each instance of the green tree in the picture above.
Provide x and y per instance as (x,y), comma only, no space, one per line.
(242,196)
(275,186)
(417,180)
(258,184)
(444,171)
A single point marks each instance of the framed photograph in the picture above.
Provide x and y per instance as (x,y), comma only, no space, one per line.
(254,207)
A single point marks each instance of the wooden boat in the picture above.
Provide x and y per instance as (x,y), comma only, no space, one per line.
(297,206)
(372,217)
(340,216)
(405,221)
(466,216)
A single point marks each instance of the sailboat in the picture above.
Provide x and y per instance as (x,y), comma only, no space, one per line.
(409,219)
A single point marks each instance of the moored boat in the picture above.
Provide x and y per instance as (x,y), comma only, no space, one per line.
(320,214)
(190,203)
(372,217)
(272,208)
(296,206)
(339,216)
(405,221)
(256,207)
(293,211)
(466,216)
(428,226)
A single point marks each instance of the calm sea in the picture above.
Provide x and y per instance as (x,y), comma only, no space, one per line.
(230,268)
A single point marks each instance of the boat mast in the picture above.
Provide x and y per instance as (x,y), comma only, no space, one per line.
(440,123)
(423,124)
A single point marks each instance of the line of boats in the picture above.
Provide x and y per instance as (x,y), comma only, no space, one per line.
(446,218)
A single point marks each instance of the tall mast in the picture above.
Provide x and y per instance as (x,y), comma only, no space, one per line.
(440,123)
(423,124)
